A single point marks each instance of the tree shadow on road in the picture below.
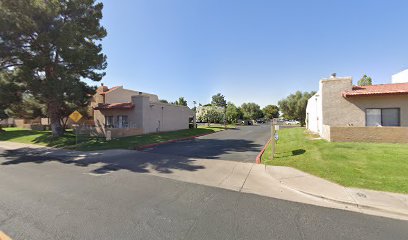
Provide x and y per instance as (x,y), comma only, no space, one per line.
(102,162)
(211,149)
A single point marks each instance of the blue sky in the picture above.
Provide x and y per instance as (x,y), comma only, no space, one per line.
(250,51)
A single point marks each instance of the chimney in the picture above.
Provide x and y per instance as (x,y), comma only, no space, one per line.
(102,89)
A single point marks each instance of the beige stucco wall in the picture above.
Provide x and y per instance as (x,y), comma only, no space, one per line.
(369,134)
(396,101)
(340,111)
(167,117)
(336,110)
(149,116)
(325,132)
(124,132)
(99,118)
(125,95)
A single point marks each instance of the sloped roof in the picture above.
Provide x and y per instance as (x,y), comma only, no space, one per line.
(110,90)
(375,90)
(123,106)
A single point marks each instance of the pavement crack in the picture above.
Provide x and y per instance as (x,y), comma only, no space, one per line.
(228,176)
(249,172)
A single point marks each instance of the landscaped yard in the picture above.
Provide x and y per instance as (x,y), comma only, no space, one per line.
(68,140)
(374,166)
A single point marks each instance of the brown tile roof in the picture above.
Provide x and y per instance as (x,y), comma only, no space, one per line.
(110,90)
(123,106)
(375,90)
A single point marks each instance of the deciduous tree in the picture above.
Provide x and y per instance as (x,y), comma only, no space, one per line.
(293,107)
(181,101)
(232,113)
(251,111)
(271,111)
(218,100)
(365,81)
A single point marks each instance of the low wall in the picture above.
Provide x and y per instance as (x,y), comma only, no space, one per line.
(326,132)
(369,134)
(124,132)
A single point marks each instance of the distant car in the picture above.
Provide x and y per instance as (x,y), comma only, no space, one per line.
(260,121)
(246,122)
(292,122)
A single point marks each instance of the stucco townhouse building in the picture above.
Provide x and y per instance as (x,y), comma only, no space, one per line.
(124,112)
(340,111)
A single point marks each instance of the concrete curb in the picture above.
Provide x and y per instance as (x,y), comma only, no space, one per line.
(384,210)
(169,141)
(259,157)
(362,206)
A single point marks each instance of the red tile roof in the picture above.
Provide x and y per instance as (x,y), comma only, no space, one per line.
(375,90)
(110,90)
(123,106)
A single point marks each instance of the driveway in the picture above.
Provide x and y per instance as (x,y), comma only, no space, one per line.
(241,144)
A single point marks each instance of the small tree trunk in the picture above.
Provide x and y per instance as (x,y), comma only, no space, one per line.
(56,127)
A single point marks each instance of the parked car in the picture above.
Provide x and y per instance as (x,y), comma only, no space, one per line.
(246,122)
(292,122)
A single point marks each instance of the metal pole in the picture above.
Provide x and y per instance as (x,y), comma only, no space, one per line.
(195,115)
(225,116)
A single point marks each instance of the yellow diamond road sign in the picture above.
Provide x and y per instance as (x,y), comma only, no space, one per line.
(75,116)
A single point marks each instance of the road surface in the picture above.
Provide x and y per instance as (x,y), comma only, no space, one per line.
(241,144)
(51,198)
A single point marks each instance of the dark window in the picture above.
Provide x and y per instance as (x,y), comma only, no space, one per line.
(109,121)
(122,121)
(383,117)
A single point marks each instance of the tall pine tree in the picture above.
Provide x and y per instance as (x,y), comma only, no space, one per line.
(54,45)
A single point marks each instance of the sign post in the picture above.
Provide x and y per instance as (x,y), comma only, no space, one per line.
(76,116)
(274,137)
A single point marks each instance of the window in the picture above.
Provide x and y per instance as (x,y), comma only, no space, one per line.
(109,121)
(122,121)
(383,117)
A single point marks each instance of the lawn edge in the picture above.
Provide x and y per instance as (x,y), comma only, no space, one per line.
(259,157)
(171,141)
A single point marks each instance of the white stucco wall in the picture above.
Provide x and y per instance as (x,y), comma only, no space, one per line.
(314,113)
(401,77)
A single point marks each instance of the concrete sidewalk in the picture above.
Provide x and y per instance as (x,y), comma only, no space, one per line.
(368,201)
(271,181)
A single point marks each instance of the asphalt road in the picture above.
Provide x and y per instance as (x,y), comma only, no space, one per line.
(48,198)
(241,144)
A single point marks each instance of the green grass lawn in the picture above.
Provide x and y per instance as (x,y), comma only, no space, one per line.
(374,166)
(89,144)
(44,138)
